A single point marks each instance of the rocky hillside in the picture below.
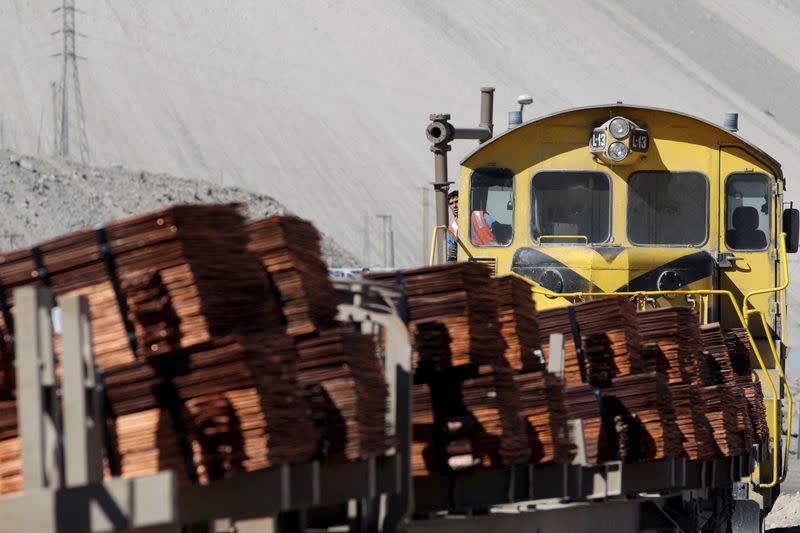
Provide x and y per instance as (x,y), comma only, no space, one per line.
(43,198)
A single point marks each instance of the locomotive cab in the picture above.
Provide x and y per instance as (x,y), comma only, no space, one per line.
(658,205)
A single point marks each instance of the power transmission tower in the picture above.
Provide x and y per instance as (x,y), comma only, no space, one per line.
(71,86)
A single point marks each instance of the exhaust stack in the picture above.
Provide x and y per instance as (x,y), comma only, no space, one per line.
(487,111)
(440,132)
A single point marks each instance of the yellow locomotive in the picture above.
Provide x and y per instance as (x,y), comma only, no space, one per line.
(658,205)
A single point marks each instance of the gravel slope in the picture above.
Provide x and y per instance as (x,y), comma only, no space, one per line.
(43,198)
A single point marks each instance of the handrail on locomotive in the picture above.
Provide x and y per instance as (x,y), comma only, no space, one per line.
(743,313)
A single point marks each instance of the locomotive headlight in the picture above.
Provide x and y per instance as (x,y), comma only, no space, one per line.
(617,151)
(619,128)
(618,141)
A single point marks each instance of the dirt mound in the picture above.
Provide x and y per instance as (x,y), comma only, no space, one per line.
(43,198)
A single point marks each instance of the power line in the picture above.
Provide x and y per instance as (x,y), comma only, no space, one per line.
(70,89)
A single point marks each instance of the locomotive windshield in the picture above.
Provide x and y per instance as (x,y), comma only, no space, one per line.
(571,207)
(667,208)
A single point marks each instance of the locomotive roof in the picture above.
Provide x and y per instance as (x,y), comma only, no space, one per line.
(619,109)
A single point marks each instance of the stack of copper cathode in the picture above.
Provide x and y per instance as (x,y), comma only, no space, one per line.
(200,375)
(216,427)
(150,310)
(613,317)
(732,353)
(468,417)
(337,367)
(426,457)
(347,388)
(542,403)
(461,297)
(164,289)
(290,250)
(599,442)
(743,419)
(431,348)
(738,345)
(698,441)
(644,403)
(490,397)
(652,357)
(146,442)
(10,448)
(755,404)
(674,330)
(253,376)
(215,285)
(460,353)
(721,414)
(598,358)
(518,326)
(719,360)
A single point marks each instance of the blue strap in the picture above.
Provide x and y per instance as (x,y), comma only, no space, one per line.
(576,338)
(41,271)
(111,269)
(608,424)
(402,307)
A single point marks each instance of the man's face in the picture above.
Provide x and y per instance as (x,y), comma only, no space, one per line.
(454,205)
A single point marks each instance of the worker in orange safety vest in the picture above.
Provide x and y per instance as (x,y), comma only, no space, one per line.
(480,232)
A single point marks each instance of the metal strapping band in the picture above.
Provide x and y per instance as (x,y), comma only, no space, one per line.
(437,391)
(168,393)
(402,308)
(576,338)
(111,269)
(102,416)
(608,423)
(41,271)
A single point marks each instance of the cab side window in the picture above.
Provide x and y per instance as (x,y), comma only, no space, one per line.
(491,207)
(747,211)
